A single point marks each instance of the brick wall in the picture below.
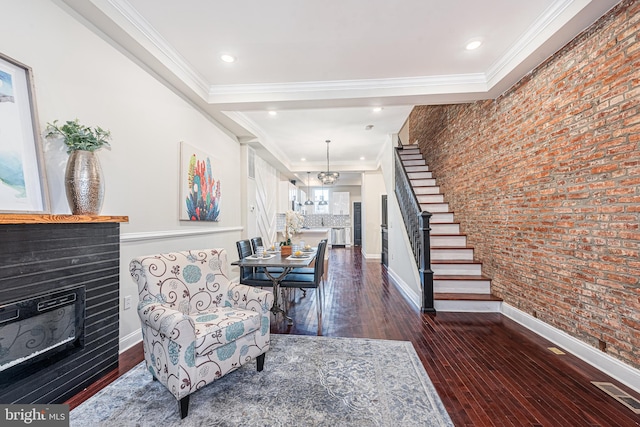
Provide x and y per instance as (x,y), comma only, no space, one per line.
(545,183)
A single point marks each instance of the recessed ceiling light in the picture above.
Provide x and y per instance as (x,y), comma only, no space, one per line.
(303,159)
(377,109)
(473,44)
(362,158)
(228,58)
(273,113)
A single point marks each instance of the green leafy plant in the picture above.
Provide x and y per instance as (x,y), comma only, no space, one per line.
(79,137)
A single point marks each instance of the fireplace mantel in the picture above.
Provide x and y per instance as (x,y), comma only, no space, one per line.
(58,219)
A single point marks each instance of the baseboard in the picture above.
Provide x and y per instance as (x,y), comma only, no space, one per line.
(370,256)
(611,366)
(130,340)
(406,290)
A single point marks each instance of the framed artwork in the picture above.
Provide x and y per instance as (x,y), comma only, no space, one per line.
(22,178)
(199,190)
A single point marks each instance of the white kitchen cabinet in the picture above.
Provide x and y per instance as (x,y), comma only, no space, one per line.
(286,194)
(340,202)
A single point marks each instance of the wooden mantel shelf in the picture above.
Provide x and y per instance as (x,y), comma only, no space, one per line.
(58,219)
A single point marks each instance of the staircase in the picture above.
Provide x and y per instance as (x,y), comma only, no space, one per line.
(458,282)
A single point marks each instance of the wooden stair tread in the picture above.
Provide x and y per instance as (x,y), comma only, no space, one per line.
(465,297)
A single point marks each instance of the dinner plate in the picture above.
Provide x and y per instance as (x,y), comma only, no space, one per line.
(263,257)
(299,256)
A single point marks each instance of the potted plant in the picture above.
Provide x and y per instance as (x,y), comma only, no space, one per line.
(83,176)
(293,222)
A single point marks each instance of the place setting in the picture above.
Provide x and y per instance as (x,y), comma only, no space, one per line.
(262,254)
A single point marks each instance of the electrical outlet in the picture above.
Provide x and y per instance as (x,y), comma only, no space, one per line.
(127,302)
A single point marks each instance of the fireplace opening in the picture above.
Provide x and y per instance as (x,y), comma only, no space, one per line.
(40,331)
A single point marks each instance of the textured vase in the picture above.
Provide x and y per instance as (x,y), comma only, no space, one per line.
(83,183)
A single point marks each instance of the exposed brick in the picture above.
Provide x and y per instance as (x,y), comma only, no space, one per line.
(544,180)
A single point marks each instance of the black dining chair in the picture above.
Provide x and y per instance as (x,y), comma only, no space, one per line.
(255,242)
(315,280)
(248,275)
(310,270)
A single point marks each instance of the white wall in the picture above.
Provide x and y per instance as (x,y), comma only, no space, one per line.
(372,190)
(78,74)
(402,267)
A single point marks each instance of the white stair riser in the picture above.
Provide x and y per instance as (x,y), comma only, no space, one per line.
(422,182)
(453,254)
(430,198)
(468,306)
(426,190)
(435,207)
(437,228)
(462,286)
(417,168)
(457,269)
(448,241)
(414,163)
(420,175)
(441,217)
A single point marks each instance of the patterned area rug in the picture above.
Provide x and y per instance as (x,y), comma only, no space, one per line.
(306,381)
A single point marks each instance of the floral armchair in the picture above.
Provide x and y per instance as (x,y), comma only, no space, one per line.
(196,324)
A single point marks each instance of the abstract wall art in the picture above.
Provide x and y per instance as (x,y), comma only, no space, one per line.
(199,189)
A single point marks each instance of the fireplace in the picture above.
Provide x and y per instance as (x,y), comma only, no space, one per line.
(59,284)
(40,331)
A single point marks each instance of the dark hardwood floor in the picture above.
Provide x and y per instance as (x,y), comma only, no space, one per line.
(487,369)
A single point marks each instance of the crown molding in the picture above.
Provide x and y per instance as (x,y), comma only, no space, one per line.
(128,18)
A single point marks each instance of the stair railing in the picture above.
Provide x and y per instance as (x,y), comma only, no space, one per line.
(418,230)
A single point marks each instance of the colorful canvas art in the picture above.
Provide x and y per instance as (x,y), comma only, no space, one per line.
(200,192)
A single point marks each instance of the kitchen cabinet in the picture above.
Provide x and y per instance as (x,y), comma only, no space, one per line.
(340,203)
(286,194)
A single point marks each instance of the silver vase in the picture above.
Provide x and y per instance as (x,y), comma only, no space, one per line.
(83,183)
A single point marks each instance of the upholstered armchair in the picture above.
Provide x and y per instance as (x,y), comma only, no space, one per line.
(197,325)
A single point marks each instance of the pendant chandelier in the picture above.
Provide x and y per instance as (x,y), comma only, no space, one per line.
(308,202)
(328,177)
(322,201)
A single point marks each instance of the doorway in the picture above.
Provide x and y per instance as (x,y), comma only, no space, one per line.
(357,224)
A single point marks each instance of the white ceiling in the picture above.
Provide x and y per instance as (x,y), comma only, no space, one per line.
(323,65)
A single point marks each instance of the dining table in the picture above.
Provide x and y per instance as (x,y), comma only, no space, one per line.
(276,266)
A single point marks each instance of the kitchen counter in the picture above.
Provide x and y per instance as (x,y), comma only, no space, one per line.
(311,236)
(314,230)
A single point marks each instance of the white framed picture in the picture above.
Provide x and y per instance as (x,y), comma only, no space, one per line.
(22,178)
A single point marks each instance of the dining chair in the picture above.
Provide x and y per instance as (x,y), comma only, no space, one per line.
(248,275)
(255,242)
(310,270)
(315,280)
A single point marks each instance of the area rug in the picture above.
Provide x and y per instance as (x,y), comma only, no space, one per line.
(306,381)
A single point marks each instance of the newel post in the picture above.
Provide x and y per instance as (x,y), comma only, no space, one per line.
(426,274)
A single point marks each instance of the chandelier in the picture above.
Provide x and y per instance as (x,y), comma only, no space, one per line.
(328,177)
